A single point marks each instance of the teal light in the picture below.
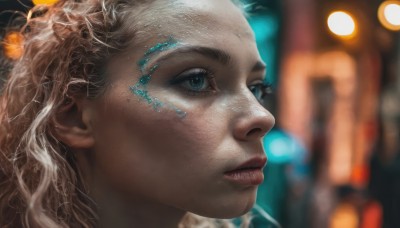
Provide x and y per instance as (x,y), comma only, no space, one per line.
(282,147)
(266,29)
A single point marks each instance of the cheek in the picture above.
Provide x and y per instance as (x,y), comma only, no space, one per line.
(140,151)
(131,137)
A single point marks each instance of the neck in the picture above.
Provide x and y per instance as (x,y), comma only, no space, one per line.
(121,210)
(116,211)
(139,214)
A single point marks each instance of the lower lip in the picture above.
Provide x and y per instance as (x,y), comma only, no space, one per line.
(247,177)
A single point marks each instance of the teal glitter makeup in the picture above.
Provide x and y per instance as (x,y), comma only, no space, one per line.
(180,113)
(160,47)
(140,88)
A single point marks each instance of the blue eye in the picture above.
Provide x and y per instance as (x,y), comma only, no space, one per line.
(260,90)
(195,81)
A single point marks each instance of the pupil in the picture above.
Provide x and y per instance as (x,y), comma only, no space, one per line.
(197,82)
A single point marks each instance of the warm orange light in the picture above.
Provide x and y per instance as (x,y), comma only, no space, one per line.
(389,15)
(44,2)
(342,24)
(12,45)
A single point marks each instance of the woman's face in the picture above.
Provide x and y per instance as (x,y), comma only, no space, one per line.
(181,111)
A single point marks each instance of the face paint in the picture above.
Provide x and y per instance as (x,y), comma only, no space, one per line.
(160,47)
(140,88)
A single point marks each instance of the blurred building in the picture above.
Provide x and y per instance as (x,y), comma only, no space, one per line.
(337,84)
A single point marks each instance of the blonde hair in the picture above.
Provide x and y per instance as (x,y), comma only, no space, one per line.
(65,48)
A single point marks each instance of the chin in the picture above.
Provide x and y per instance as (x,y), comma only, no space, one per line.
(235,212)
(227,213)
(230,208)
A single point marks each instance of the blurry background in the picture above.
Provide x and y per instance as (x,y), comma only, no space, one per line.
(334,156)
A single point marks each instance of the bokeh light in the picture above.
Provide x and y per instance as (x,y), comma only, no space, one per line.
(342,24)
(12,45)
(44,2)
(389,15)
(392,14)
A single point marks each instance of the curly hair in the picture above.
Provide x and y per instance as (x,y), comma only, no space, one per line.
(63,46)
(65,49)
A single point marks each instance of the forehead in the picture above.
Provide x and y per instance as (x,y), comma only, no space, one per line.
(192,21)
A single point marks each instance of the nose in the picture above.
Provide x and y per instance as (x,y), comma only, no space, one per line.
(253,121)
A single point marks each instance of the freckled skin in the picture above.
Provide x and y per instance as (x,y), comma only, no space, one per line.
(158,157)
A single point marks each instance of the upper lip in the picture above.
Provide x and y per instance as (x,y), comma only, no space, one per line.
(253,163)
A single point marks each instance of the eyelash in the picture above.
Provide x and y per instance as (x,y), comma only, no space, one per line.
(265,89)
(185,79)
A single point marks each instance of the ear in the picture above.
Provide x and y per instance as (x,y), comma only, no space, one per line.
(72,124)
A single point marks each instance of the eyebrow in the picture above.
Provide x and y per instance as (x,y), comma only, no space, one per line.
(212,53)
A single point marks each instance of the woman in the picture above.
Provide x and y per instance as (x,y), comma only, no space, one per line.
(132,113)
